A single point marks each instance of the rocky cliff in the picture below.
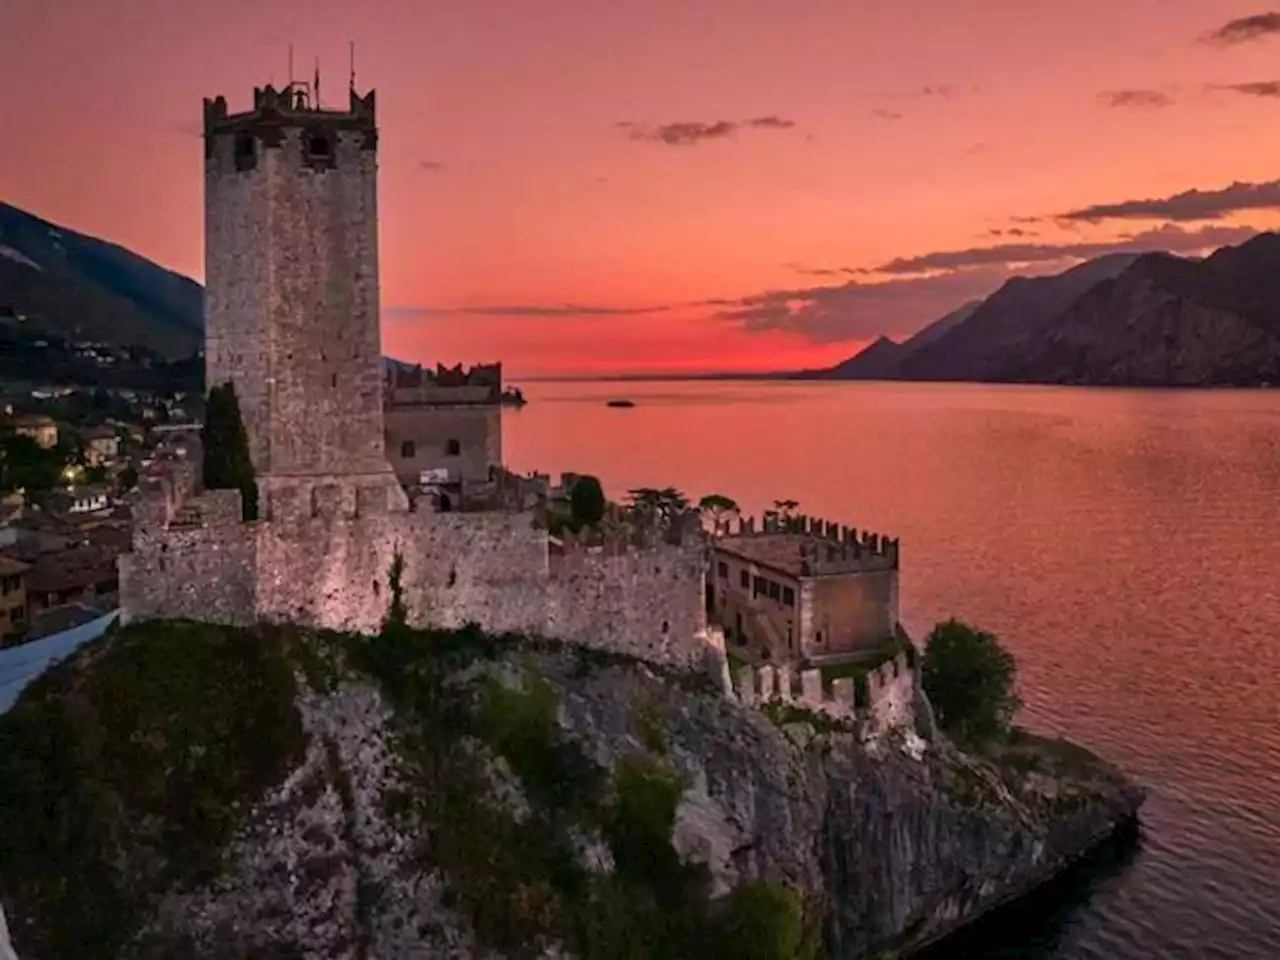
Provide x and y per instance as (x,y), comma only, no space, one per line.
(185,790)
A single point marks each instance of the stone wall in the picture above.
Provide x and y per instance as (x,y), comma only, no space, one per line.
(890,693)
(891,688)
(484,568)
(198,572)
(648,602)
(848,613)
(292,292)
(327,564)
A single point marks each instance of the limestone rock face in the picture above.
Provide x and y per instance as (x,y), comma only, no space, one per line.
(416,820)
(6,948)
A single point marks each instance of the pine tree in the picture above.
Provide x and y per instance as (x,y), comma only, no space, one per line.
(227,465)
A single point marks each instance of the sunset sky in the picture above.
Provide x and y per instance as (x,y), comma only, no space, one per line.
(578,186)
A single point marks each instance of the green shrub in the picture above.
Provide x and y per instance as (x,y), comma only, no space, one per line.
(764,921)
(969,679)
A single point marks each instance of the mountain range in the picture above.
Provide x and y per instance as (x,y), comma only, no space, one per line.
(1150,319)
(58,282)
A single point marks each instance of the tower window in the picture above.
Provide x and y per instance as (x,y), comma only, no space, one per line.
(246,152)
(453,448)
(320,146)
(407,449)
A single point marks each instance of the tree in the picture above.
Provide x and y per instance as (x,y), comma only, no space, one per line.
(719,509)
(969,679)
(586,502)
(786,509)
(661,505)
(397,618)
(25,465)
(128,478)
(227,465)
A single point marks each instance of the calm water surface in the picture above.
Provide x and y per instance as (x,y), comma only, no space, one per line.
(1124,544)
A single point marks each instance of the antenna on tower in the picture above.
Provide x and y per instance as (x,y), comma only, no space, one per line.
(317,87)
(352,45)
(291,66)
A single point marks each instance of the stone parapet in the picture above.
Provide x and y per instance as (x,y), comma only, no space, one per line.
(890,692)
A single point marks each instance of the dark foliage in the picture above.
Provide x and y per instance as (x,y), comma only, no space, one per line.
(969,679)
(125,771)
(587,502)
(227,465)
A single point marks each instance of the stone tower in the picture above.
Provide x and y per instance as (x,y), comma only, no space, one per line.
(291,285)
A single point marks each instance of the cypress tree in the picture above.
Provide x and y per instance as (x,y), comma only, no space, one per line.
(227,465)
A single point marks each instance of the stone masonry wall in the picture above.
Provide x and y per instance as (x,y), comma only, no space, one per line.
(492,569)
(848,613)
(203,571)
(238,281)
(890,693)
(292,301)
(648,602)
(418,439)
(482,568)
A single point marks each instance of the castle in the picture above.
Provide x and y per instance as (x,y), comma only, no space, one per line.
(292,321)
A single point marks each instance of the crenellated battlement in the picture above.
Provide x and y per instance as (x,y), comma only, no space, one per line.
(408,386)
(885,701)
(162,494)
(622,533)
(296,103)
(813,546)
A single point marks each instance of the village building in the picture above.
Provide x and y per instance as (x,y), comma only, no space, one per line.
(13,599)
(804,590)
(40,428)
(77,501)
(101,445)
(82,574)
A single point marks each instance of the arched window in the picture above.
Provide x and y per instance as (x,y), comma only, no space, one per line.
(407,450)
(453,448)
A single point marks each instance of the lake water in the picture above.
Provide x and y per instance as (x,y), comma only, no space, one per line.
(1125,545)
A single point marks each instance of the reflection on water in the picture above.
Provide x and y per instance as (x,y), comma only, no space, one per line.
(1124,544)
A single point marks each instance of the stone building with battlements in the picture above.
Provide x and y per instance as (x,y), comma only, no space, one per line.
(444,426)
(292,320)
(803,589)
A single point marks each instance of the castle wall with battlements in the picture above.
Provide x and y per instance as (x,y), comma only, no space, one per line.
(804,588)
(885,702)
(324,557)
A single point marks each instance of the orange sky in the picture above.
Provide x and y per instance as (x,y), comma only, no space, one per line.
(511,186)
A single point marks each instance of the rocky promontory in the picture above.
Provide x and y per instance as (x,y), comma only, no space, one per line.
(190,790)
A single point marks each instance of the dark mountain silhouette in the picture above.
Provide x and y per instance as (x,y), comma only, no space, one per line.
(1019,310)
(80,288)
(1128,319)
(882,359)
(1167,321)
